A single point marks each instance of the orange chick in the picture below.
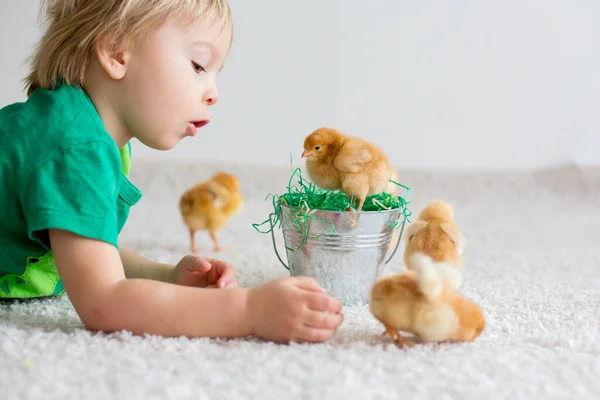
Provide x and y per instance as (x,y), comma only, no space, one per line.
(407,302)
(435,242)
(335,161)
(209,205)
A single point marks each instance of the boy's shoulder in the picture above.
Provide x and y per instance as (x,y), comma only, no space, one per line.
(65,113)
(50,122)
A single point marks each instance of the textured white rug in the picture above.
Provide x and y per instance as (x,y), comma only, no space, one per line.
(532,262)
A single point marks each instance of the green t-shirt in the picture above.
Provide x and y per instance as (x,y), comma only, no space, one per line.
(59,168)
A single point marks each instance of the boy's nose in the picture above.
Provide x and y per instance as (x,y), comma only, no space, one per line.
(211,97)
(211,100)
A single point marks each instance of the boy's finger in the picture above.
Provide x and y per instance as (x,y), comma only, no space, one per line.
(323,320)
(323,302)
(231,284)
(227,276)
(199,264)
(220,265)
(312,334)
(307,283)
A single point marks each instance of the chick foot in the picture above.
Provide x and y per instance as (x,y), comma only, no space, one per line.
(216,245)
(353,213)
(193,247)
(396,337)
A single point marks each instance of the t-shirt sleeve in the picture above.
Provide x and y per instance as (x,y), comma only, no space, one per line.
(76,190)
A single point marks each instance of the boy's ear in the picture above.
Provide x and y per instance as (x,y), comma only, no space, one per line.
(112,59)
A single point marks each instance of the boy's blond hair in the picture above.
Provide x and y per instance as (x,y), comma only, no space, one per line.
(75,25)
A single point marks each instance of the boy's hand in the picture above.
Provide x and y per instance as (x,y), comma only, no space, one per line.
(204,272)
(293,309)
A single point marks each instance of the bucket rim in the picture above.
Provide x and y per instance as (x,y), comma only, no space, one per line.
(390,211)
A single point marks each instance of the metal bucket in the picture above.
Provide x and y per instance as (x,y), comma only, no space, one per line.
(344,251)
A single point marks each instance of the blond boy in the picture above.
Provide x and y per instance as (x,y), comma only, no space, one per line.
(107,71)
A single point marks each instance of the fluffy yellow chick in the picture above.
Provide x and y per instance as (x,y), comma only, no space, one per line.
(335,161)
(434,242)
(209,205)
(407,302)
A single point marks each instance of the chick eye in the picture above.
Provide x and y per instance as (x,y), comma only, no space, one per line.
(197,67)
(317,147)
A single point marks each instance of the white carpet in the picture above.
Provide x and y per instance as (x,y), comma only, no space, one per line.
(532,262)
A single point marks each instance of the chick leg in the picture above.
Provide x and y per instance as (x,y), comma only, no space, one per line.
(352,217)
(193,248)
(213,237)
(361,203)
(396,337)
(349,209)
(356,186)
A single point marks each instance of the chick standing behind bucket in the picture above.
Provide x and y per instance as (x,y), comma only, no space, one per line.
(335,161)
(435,243)
(209,205)
(409,302)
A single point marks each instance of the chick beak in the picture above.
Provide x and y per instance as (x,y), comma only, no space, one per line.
(306,154)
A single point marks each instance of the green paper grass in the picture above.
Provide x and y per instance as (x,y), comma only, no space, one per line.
(304,197)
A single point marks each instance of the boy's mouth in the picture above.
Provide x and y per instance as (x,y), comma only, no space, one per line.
(200,124)
(194,125)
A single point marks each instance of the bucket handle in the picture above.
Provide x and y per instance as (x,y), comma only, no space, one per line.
(274,244)
(397,243)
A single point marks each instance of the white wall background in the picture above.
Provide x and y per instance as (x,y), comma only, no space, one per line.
(462,83)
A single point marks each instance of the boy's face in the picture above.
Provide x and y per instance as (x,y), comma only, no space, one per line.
(170,82)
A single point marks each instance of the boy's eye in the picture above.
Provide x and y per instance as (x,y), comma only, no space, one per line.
(197,67)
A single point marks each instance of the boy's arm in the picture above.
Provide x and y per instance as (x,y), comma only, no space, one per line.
(137,266)
(93,275)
